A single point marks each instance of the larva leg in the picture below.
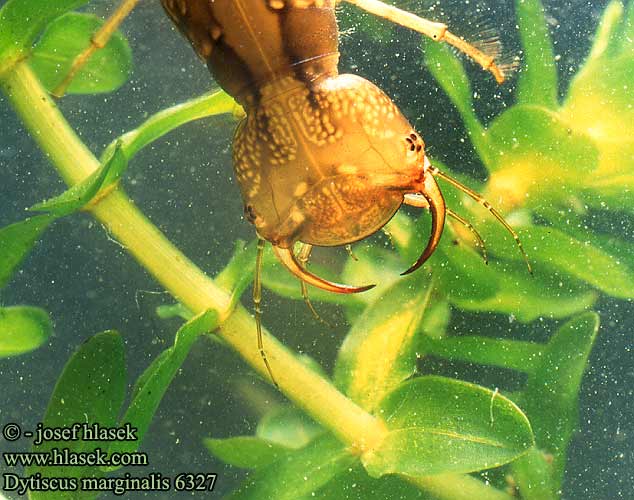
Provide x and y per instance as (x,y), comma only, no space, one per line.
(476,235)
(302,257)
(482,201)
(257,300)
(288,259)
(436,31)
(97,41)
(351,254)
(417,200)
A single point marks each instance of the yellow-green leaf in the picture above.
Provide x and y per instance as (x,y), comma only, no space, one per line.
(23,329)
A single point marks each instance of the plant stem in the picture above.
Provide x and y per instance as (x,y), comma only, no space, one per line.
(179,275)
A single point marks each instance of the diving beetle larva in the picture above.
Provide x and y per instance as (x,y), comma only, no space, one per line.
(322,158)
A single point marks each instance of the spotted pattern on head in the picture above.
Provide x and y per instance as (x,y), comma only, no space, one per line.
(317,113)
(247,159)
(289,114)
(267,132)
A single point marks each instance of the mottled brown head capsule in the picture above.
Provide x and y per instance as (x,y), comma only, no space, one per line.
(321,158)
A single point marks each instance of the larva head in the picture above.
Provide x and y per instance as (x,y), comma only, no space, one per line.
(326,164)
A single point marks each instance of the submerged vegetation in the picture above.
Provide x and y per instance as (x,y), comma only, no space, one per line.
(378,428)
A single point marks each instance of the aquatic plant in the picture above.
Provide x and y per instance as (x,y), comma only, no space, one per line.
(377,428)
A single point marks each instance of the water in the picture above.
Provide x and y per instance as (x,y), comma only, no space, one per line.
(184,184)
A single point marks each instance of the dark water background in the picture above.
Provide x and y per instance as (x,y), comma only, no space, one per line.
(184,184)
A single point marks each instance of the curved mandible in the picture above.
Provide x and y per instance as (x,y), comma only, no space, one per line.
(288,259)
(438,209)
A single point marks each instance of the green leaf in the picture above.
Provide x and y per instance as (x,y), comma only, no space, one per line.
(608,37)
(438,425)
(533,474)
(355,484)
(628,30)
(157,378)
(374,264)
(281,430)
(598,104)
(436,318)
(149,372)
(401,232)
(92,385)
(539,159)
(288,427)
(461,273)
(247,452)
(83,192)
(177,310)
(380,350)
(620,249)
(538,82)
(90,390)
(526,298)
(64,39)
(509,354)
(550,398)
(298,474)
(380,265)
(17,240)
(459,487)
(23,329)
(550,248)
(21,21)
(238,273)
(448,71)
(214,103)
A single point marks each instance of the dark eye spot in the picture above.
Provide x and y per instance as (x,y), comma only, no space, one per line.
(249,213)
(413,136)
(418,148)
